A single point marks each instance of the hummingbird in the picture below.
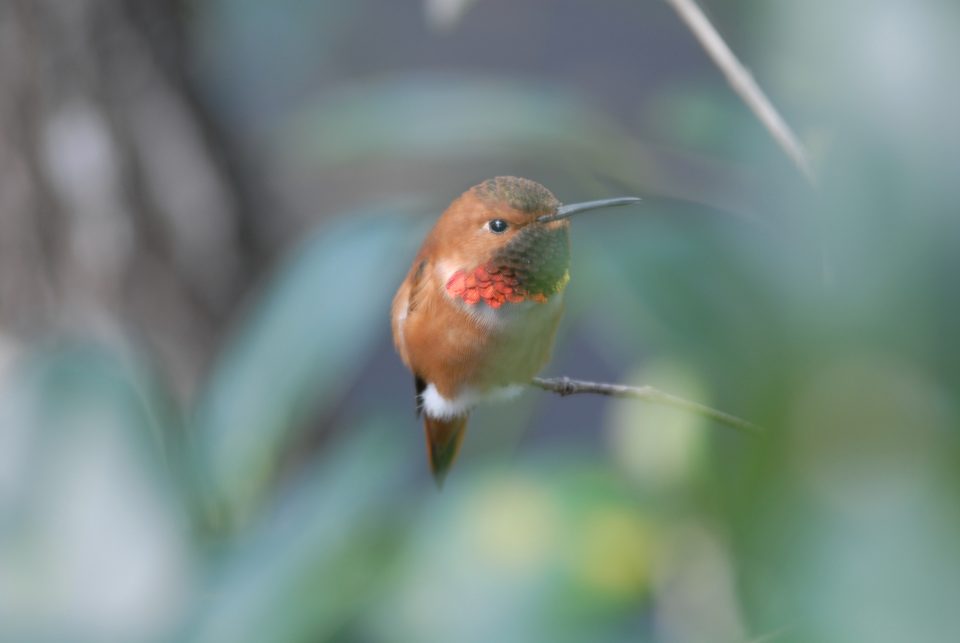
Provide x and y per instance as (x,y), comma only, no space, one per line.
(475,318)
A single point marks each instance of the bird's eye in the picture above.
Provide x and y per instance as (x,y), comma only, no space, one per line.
(498,226)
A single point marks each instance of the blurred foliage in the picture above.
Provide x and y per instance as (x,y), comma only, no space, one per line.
(297,351)
(446,116)
(288,502)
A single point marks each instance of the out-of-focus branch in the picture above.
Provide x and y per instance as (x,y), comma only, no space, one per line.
(565,386)
(743,84)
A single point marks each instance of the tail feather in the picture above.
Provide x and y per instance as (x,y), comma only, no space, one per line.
(443,443)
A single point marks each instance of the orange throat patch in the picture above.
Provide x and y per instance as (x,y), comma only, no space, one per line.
(491,285)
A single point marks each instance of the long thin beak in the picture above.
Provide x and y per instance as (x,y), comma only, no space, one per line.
(565,211)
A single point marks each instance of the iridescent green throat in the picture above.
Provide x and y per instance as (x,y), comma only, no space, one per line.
(532,267)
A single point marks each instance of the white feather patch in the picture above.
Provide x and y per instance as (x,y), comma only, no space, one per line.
(437,406)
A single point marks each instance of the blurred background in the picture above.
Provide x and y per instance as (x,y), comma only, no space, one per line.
(205,435)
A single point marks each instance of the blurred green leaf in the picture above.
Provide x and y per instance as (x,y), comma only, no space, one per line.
(86,502)
(444,119)
(702,117)
(438,116)
(302,343)
(261,51)
(556,550)
(316,558)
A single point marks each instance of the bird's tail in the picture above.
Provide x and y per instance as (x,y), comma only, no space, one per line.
(443,443)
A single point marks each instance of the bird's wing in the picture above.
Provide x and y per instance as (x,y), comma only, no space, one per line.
(406,302)
(417,283)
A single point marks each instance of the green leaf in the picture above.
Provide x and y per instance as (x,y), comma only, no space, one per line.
(315,559)
(86,502)
(442,117)
(299,348)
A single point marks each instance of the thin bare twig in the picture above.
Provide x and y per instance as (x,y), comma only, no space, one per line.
(743,84)
(565,386)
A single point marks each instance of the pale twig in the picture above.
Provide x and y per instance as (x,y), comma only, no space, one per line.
(565,386)
(743,84)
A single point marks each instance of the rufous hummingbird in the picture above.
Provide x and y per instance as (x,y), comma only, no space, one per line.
(476,316)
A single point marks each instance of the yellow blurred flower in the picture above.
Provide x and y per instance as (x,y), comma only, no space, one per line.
(615,553)
(512,523)
(656,445)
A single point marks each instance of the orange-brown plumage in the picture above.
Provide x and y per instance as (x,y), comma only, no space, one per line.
(479,308)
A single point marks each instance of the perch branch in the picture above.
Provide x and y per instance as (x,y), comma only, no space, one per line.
(743,84)
(565,386)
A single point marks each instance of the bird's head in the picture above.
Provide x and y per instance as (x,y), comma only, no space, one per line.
(505,241)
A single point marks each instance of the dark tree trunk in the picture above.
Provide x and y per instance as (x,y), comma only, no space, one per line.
(123,213)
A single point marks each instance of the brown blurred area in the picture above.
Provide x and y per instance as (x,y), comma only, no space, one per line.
(124,214)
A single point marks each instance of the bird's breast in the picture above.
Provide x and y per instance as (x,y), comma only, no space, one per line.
(518,341)
(475,331)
